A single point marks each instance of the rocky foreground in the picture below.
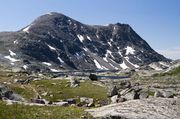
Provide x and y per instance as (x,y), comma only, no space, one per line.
(139,96)
(152,108)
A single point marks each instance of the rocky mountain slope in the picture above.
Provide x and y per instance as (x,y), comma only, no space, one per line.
(55,41)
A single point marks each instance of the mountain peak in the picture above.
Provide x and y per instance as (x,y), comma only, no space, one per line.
(56,41)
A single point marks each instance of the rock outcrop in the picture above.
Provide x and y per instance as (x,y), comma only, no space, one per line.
(152,108)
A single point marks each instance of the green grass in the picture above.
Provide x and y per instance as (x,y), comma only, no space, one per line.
(24,90)
(7,76)
(173,72)
(60,89)
(18,111)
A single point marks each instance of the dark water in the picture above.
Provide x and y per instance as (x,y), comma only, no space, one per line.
(87,73)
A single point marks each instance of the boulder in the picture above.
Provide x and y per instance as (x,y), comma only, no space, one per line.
(71,101)
(16,97)
(131,95)
(125,91)
(39,101)
(61,103)
(121,99)
(89,102)
(117,99)
(125,84)
(143,95)
(158,94)
(6,93)
(113,117)
(167,94)
(93,77)
(112,90)
(74,82)
(114,99)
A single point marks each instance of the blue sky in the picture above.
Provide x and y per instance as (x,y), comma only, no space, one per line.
(156,21)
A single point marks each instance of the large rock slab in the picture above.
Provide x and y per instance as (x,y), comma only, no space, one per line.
(152,108)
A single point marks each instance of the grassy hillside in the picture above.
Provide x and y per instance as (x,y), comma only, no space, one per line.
(56,90)
(173,72)
(17,111)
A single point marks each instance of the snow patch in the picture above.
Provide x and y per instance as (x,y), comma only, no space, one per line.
(105,59)
(135,65)
(119,52)
(114,28)
(46,63)
(54,70)
(15,42)
(124,66)
(81,38)
(85,49)
(105,68)
(89,38)
(113,66)
(97,36)
(52,48)
(51,35)
(12,63)
(12,53)
(111,40)
(69,21)
(50,13)
(97,64)
(129,50)
(25,67)
(11,59)
(27,29)
(108,52)
(139,59)
(60,60)
(110,43)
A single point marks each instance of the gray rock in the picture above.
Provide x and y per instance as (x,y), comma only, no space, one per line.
(74,82)
(125,84)
(167,94)
(114,99)
(39,101)
(143,95)
(112,91)
(61,103)
(150,108)
(125,91)
(6,93)
(158,94)
(93,77)
(131,95)
(71,101)
(16,97)
(87,101)
(113,117)
(121,99)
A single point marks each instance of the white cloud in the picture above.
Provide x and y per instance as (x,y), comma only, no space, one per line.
(171,53)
